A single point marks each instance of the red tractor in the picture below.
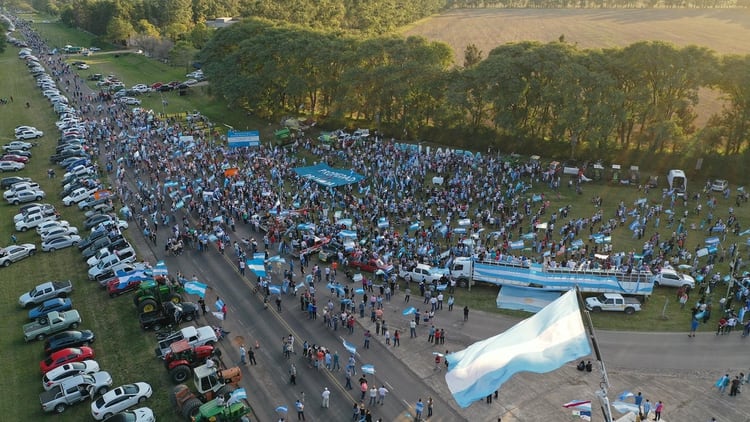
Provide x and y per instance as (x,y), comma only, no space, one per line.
(182,358)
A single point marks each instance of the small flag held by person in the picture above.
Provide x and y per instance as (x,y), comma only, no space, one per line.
(196,288)
(541,343)
(350,347)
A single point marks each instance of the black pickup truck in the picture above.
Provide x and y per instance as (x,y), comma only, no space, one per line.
(170,314)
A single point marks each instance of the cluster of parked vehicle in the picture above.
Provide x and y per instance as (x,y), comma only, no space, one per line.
(70,375)
(17,154)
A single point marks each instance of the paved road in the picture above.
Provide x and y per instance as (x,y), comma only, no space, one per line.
(665,366)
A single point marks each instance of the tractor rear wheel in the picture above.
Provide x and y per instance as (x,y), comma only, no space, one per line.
(147,305)
(190,408)
(180,373)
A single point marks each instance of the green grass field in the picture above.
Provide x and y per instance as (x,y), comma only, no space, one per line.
(121,347)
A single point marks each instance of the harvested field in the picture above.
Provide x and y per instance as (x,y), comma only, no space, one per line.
(723,30)
(726,31)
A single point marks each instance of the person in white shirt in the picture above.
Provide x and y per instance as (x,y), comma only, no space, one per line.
(326,398)
(382,392)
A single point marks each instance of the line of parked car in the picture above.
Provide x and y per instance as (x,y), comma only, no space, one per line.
(70,375)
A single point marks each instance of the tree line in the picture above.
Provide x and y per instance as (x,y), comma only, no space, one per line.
(640,97)
(184,20)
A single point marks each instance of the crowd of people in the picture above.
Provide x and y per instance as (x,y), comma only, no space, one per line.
(182,165)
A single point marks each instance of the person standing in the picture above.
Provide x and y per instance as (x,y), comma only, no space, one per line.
(431,334)
(418,409)
(300,410)
(367,339)
(202,304)
(451,300)
(466,313)
(657,410)
(243,355)
(293,375)
(722,383)
(412,329)
(407,295)
(396,338)
(429,407)
(348,374)
(382,392)
(326,398)
(693,327)
(646,409)
(735,386)
(373,396)
(251,357)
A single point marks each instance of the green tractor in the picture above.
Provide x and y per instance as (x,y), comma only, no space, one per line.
(153,293)
(213,411)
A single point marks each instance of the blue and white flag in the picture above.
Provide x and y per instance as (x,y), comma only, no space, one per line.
(541,343)
(625,395)
(408,311)
(237,395)
(368,369)
(274,289)
(257,266)
(515,245)
(196,288)
(218,315)
(160,269)
(219,304)
(350,347)
(624,407)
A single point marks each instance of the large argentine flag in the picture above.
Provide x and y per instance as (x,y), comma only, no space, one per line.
(542,343)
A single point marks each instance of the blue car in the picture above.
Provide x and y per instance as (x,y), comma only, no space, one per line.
(58,304)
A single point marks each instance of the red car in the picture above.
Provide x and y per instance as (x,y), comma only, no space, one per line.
(116,288)
(156,85)
(371,265)
(61,357)
(16,158)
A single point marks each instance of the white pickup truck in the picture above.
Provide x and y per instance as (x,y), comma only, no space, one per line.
(422,272)
(190,334)
(613,302)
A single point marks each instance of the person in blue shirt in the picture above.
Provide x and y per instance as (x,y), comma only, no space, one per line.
(419,408)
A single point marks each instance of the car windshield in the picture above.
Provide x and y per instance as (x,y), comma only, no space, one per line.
(32,292)
(100,402)
(130,389)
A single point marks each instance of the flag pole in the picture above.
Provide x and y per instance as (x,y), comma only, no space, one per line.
(601,394)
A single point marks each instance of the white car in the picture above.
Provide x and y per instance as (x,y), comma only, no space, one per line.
(141,88)
(11,166)
(15,253)
(142,414)
(52,225)
(33,220)
(29,134)
(16,145)
(82,66)
(57,232)
(19,187)
(190,82)
(719,185)
(20,129)
(26,195)
(77,196)
(120,399)
(60,242)
(130,101)
(121,224)
(61,373)
(670,277)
